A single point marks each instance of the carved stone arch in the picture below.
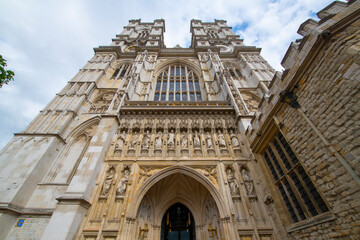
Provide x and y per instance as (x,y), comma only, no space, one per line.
(162,66)
(117,64)
(205,182)
(81,128)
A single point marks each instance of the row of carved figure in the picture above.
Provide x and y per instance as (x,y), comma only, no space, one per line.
(122,185)
(159,142)
(231,179)
(234,186)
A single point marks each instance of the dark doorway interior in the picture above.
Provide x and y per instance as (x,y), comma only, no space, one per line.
(178,224)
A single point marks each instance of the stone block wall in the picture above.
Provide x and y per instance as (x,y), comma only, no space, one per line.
(329,94)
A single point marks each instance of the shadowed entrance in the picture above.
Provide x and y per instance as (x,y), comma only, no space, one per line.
(178,224)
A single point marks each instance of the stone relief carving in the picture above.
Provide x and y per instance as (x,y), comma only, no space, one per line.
(102,103)
(211,217)
(233,185)
(221,139)
(144,173)
(124,181)
(184,141)
(251,101)
(248,181)
(218,123)
(144,217)
(177,138)
(234,139)
(268,199)
(195,123)
(204,57)
(196,140)
(110,173)
(134,141)
(158,140)
(146,141)
(209,140)
(171,139)
(120,141)
(211,171)
(207,123)
(151,58)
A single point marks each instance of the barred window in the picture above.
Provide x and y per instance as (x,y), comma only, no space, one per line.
(177,83)
(296,188)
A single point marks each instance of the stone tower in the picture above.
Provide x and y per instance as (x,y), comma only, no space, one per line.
(150,142)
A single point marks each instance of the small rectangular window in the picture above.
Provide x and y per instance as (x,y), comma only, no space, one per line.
(171,96)
(192,97)
(177,86)
(177,96)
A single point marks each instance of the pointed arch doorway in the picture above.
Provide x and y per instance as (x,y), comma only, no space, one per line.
(177,184)
(178,224)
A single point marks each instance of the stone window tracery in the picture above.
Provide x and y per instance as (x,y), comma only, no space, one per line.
(297,190)
(122,71)
(177,83)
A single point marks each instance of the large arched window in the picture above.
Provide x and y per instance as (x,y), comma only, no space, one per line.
(177,83)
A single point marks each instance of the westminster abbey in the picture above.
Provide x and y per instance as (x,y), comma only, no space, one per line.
(207,142)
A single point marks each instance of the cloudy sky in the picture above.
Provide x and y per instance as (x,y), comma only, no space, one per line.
(47,42)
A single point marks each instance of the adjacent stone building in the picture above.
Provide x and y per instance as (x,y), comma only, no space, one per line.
(205,142)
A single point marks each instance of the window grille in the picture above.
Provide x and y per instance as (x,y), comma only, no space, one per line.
(297,190)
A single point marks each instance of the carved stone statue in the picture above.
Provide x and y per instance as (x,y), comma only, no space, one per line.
(146,141)
(184,141)
(234,187)
(120,141)
(158,140)
(134,140)
(171,139)
(196,140)
(209,140)
(234,139)
(221,139)
(108,180)
(248,182)
(121,189)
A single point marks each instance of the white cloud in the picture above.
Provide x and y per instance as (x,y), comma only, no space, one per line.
(46,42)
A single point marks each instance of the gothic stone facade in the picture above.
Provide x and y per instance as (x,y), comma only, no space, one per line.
(205,142)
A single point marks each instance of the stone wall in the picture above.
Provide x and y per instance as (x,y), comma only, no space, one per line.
(330,95)
(322,69)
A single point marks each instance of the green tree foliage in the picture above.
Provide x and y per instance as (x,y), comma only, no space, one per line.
(5,75)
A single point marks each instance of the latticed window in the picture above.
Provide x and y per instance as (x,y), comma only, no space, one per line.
(122,71)
(297,190)
(177,83)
